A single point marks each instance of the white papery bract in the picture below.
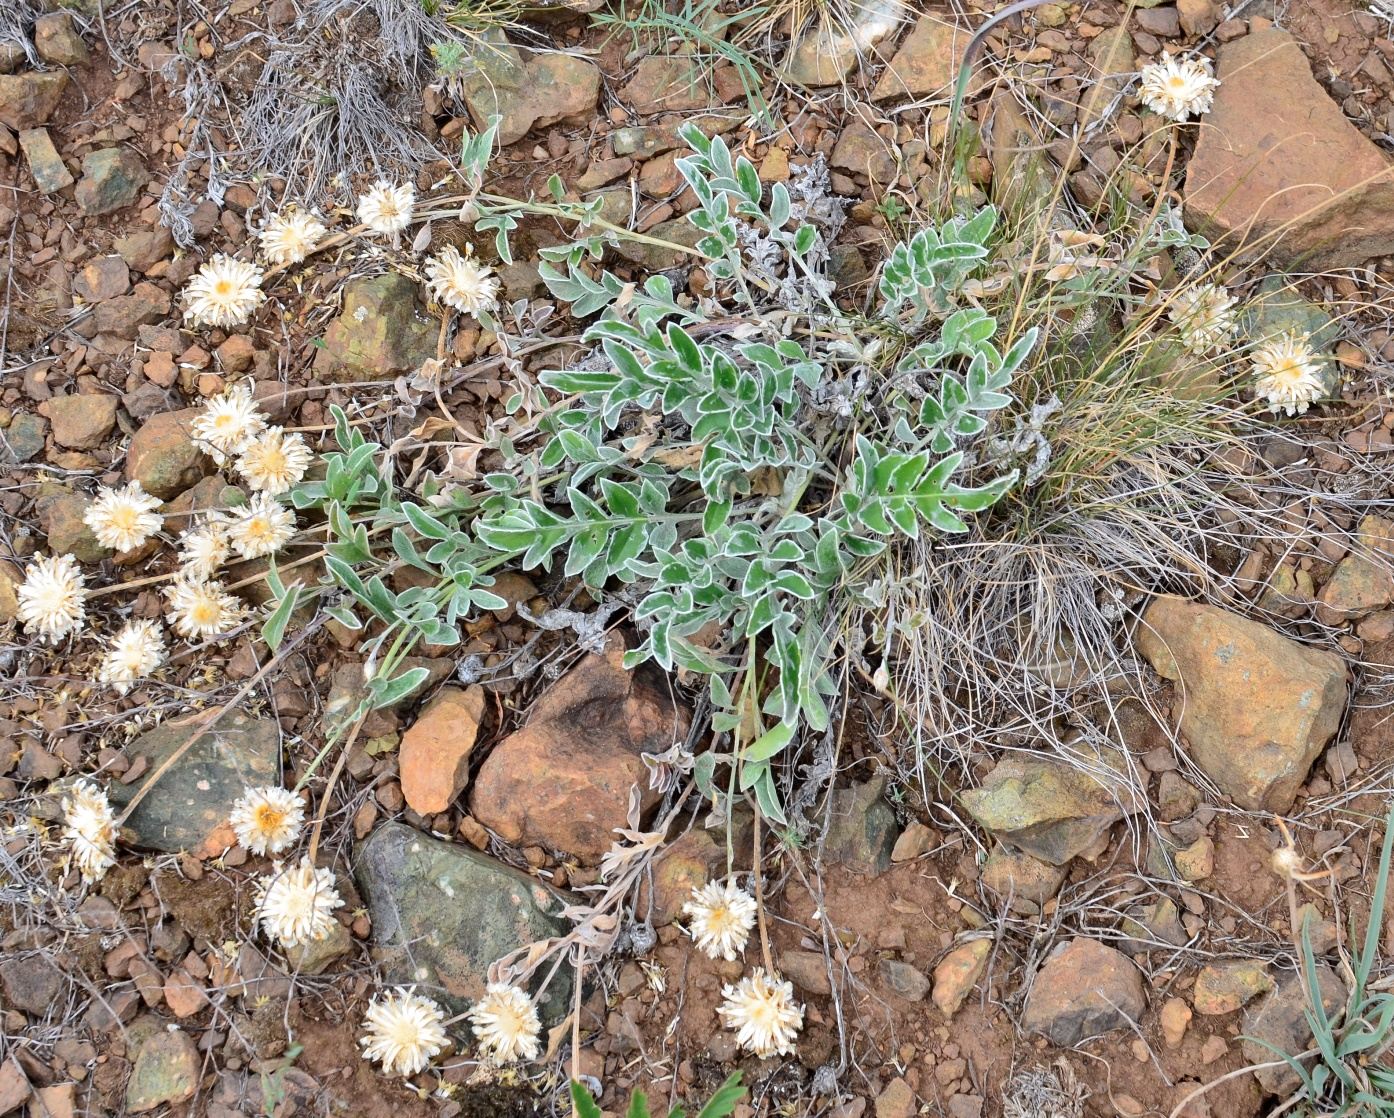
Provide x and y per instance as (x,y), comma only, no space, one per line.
(223,293)
(404,1030)
(51,597)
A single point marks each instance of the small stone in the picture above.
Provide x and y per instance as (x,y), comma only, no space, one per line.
(927,63)
(81,421)
(682,866)
(1214,1048)
(915,841)
(965,1106)
(1175,1017)
(1162,22)
(807,970)
(381,331)
(830,48)
(56,1101)
(26,435)
(196,793)
(664,83)
(122,317)
(1176,798)
(442,914)
(31,984)
(658,258)
(1364,580)
(184,994)
(30,100)
(163,457)
(61,515)
(905,980)
(165,1071)
(112,178)
(104,278)
(1225,987)
(1198,17)
(528,90)
(861,828)
(57,40)
(861,150)
(896,1100)
(1051,15)
(316,956)
(435,752)
(144,249)
(1083,989)
(1278,1024)
(50,172)
(958,972)
(1197,861)
(1153,925)
(14,1086)
(1025,882)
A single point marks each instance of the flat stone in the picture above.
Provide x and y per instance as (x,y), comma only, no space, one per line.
(906,981)
(56,40)
(31,984)
(861,150)
(1280,167)
(442,914)
(163,457)
(807,970)
(1226,987)
(145,248)
(669,83)
(14,1086)
(105,277)
(564,779)
(897,1100)
(1363,581)
(927,63)
(382,331)
(189,807)
(658,258)
(124,316)
(112,178)
(61,515)
(45,164)
(30,100)
(683,865)
(1279,1021)
(528,90)
(826,53)
(1051,809)
(25,436)
(861,828)
(165,1071)
(315,956)
(1256,708)
(435,752)
(81,421)
(1023,881)
(1084,988)
(958,972)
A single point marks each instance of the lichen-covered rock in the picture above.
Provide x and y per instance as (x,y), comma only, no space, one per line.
(30,100)
(528,90)
(382,331)
(927,63)
(112,178)
(861,828)
(1256,708)
(1225,987)
(82,420)
(163,456)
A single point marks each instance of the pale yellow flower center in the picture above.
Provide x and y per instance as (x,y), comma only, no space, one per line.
(259,528)
(223,288)
(1177,82)
(269,818)
(273,460)
(123,519)
(204,613)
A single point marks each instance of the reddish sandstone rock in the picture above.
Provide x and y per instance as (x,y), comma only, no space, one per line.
(563,781)
(1083,989)
(163,456)
(1277,153)
(435,752)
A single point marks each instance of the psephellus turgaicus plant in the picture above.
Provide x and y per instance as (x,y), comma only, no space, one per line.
(726,466)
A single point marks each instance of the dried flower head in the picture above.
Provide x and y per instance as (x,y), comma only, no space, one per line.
(51,597)
(228,423)
(267,820)
(462,282)
(1287,373)
(1205,315)
(295,905)
(123,519)
(762,1010)
(203,549)
(200,609)
(385,208)
(506,1023)
(90,826)
(260,527)
(274,461)
(136,651)
(224,293)
(404,1031)
(290,236)
(1178,88)
(722,917)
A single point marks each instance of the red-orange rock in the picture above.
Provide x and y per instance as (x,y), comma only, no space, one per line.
(563,781)
(1083,989)
(1275,152)
(435,752)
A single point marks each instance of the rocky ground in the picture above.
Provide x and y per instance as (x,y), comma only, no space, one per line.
(1110,935)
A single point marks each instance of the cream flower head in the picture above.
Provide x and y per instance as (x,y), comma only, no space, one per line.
(506,1023)
(1178,89)
(274,461)
(51,597)
(203,549)
(1287,373)
(1205,315)
(261,527)
(462,282)
(90,826)
(134,652)
(290,236)
(228,423)
(123,519)
(224,292)
(404,1031)
(295,905)
(199,610)
(722,917)
(267,820)
(762,1010)
(385,208)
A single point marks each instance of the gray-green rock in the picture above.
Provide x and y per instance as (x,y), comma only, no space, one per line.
(861,828)
(25,436)
(165,1070)
(381,332)
(163,456)
(657,257)
(186,809)
(1052,809)
(112,178)
(50,173)
(443,913)
(528,90)
(68,534)
(314,956)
